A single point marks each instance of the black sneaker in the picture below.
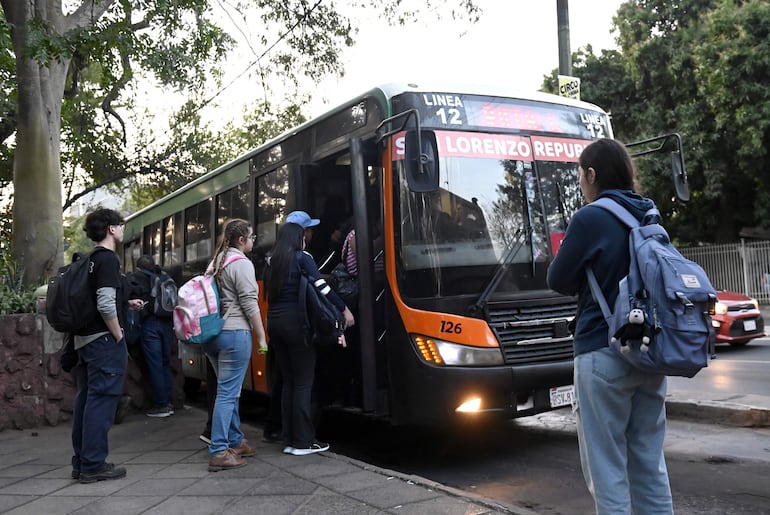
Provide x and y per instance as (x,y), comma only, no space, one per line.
(75,474)
(314,447)
(159,412)
(122,409)
(107,471)
(272,437)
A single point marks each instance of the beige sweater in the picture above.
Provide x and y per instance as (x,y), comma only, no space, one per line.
(238,286)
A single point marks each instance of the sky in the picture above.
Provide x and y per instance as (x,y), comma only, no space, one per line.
(514,43)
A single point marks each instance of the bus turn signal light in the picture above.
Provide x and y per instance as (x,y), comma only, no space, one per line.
(428,350)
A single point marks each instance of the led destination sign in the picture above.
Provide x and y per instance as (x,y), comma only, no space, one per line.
(461,112)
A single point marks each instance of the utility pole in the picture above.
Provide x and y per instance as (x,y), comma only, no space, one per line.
(565,56)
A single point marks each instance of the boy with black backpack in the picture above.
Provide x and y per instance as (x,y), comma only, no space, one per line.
(102,356)
(159,291)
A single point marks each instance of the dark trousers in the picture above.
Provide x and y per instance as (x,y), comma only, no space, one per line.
(275,390)
(157,335)
(100,372)
(297,362)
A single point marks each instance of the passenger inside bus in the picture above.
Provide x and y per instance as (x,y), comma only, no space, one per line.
(326,238)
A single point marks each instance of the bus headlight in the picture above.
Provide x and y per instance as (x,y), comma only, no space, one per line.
(439,352)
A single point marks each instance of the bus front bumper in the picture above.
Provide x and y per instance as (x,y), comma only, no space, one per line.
(442,395)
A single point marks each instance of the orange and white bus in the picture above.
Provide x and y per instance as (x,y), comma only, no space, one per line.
(460,198)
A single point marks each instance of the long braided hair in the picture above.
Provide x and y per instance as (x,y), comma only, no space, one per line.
(233,229)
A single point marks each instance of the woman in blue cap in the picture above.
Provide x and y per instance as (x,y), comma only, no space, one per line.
(295,354)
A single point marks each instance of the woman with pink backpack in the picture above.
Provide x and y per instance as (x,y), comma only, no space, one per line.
(230,351)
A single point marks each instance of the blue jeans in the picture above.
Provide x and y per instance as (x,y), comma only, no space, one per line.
(621,422)
(157,335)
(99,373)
(229,354)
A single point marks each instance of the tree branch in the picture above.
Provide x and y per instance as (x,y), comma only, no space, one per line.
(87,14)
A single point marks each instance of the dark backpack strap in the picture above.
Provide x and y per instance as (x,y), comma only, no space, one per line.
(302,294)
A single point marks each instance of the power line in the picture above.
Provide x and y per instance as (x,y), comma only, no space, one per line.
(249,67)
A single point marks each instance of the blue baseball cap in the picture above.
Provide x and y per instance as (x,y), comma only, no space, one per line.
(302,219)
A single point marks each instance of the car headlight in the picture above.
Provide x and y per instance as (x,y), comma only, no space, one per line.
(720,309)
(756,304)
(439,352)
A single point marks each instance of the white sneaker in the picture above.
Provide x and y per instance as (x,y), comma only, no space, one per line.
(314,447)
(288,450)
(205,439)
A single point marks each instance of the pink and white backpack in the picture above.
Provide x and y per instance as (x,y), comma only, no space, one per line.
(197,317)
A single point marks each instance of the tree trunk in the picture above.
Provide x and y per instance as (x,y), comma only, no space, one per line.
(37,213)
(38,234)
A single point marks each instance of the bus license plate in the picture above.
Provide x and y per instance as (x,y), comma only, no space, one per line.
(749,325)
(562,396)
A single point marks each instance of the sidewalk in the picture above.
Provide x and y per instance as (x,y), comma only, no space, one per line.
(167,469)
(167,474)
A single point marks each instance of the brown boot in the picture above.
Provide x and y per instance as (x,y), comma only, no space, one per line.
(244,450)
(225,460)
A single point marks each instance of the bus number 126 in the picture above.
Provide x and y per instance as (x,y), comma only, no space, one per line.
(451,327)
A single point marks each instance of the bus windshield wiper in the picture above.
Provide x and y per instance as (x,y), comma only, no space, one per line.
(517,243)
(562,204)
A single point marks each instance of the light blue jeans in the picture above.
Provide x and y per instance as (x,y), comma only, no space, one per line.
(621,422)
(229,354)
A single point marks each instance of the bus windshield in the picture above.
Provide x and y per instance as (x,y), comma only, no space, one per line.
(488,212)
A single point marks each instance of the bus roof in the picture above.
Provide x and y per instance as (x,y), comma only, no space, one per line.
(388,91)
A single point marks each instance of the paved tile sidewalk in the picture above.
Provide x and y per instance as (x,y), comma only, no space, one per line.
(167,474)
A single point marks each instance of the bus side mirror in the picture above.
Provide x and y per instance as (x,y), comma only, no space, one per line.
(421,161)
(680,176)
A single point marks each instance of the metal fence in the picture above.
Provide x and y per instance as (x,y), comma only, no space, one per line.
(742,267)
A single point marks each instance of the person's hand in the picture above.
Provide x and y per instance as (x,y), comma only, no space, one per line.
(262,349)
(349,320)
(341,340)
(136,304)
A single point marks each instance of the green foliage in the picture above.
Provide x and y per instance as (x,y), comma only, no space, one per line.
(194,148)
(14,296)
(7,105)
(699,68)
(75,239)
(90,53)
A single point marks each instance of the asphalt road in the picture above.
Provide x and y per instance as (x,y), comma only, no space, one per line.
(735,371)
(534,462)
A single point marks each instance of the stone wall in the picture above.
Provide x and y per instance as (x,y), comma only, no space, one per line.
(35,391)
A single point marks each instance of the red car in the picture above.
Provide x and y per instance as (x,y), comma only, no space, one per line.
(737,318)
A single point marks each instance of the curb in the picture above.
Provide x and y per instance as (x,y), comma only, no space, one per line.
(432,485)
(719,412)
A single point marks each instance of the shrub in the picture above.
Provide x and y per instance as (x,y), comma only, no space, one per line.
(14,296)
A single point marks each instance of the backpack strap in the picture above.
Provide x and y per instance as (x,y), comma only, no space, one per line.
(630,221)
(302,297)
(216,279)
(652,216)
(620,212)
(598,295)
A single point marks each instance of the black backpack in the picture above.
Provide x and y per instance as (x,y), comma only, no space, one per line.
(70,299)
(322,320)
